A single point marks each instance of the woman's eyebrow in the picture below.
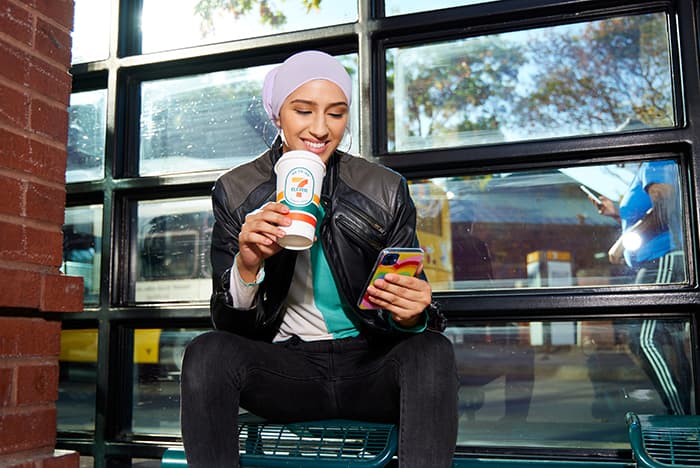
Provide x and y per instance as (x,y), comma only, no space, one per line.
(312,103)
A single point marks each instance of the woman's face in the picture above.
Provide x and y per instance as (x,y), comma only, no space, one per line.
(313,118)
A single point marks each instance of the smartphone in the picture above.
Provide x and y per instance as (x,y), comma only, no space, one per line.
(592,195)
(404,261)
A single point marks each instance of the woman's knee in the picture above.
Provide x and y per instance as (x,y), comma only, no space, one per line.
(429,350)
(208,356)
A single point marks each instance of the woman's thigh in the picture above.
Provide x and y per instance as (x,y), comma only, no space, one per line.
(271,380)
(371,386)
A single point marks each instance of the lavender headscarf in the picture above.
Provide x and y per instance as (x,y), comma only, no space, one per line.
(298,69)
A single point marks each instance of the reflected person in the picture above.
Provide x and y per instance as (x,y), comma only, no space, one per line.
(290,342)
(651,243)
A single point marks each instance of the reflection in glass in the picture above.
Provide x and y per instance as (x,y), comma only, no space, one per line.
(603,76)
(539,229)
(567,383)
(157,364)
(82,238)
(173,250)
(77,383)
(212,121)
(198,22)
(402,7)
(91,27)
(87,126)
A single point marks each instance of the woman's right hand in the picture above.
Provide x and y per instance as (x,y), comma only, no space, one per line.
(258,238)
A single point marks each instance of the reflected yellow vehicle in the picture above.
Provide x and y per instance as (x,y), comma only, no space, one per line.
(81,345)
(157,352)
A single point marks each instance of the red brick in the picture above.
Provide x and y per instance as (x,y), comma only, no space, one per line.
(14,63)
(49,80)
(14,147)
(63,459)
(15,461)
(14,106)
(16,22)
(45,203)
(37,384)
(47,162)
(51,41)
(11,196)
(12,246)
(44,247)
(31,245)
(6,386)
(19,288)
(62,293)
(33,157)
(29,337)
(29,3)
(27,429)
(60,11)
(50,120)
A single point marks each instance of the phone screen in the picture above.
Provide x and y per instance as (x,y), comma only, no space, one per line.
(592,195)
(403,261)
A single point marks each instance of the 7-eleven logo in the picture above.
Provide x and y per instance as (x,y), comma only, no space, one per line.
(299,187)
(299,184)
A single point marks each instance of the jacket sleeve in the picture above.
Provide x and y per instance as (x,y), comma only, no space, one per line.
(257,322)
(224,246)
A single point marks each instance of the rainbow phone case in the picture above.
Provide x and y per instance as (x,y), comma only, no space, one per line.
(403,261)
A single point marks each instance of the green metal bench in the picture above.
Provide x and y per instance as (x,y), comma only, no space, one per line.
(664,441)
(328,443)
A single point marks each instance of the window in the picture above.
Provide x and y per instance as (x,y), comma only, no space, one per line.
(91,29)
(539,229)
(173,250)
(77,385)
(604,76)
(156,376)
(517,378)
(401,7)
(197,22)
(86,136)
(82,236)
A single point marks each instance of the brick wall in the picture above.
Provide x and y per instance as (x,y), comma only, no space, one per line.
(35,87)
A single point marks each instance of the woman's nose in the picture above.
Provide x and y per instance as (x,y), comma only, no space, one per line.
(319,126)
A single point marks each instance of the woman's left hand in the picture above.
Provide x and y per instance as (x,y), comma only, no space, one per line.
(405,297)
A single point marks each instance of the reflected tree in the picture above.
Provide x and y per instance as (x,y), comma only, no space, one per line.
(609,73)
(457,92)
(268,10)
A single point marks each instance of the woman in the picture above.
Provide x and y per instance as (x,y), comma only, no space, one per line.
(290,342)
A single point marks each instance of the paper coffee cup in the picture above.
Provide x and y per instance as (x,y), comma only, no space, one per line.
(299,180)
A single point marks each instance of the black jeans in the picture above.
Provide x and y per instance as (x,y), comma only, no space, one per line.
(412,381)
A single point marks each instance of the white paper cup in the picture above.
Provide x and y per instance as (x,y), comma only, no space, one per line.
(299,180)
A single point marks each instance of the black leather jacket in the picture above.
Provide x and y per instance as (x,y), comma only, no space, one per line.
(368,208)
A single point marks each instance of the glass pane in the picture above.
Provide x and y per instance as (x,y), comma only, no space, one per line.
(604,76)
(174,239)
(82,239)
(211,121)
(538,229)
(91,28)
(198,22)
(157,364)
(402,7)
(87,127)
(77,380)
(568,383)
